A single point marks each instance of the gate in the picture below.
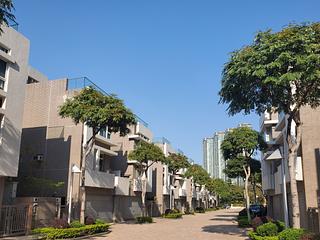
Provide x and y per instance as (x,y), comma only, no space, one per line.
(14,220)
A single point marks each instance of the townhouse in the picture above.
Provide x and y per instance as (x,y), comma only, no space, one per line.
(14,71)
(275,169)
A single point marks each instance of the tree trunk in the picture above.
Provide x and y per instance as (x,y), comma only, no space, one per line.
(82,187)
(247,172)
(143,193)
(293,145)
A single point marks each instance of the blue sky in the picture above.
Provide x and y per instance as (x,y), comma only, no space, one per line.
(164,57)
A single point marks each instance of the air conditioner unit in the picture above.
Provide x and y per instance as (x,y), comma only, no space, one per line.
(39,157)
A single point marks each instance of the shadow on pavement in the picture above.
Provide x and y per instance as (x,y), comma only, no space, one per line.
(225,229)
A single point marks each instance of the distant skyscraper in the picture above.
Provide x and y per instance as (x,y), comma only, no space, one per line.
(208,155)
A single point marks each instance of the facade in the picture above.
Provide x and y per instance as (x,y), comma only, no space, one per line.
(14,70)
(275,169)
(213,160)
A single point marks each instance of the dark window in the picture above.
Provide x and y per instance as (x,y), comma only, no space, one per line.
(1,84)
(31,80)
(3,49)
(3,66)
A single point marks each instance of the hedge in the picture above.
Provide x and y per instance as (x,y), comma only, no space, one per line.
(141,220)
(254,236)
(291,234)
(173,215)
(267,230)
(56,233)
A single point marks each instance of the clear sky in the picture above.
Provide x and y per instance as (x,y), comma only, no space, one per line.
(163,57)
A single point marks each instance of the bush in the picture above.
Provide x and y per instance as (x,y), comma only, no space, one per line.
(243,222)
(60,223)
(99,221)
(310,236)
(89,221)
(200,210)
(254,236)
(188,212)
(281,226)
(291,234)
(56,233)
(267,230)
(141,220)
(173,215)
(76,224)
(258,221)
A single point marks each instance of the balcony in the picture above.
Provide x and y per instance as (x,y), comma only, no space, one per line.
(137,185)
(98,179)
(122,186)
(166,190)
(182,192)
(267,119)
(282,121)
(141,132)
(104,137)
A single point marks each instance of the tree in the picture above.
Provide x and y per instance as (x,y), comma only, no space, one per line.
(146,154)
(97,111)
(199,175)
(278,71)
(6,16)
(238,148)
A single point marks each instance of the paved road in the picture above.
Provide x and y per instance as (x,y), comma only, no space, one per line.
(219,225)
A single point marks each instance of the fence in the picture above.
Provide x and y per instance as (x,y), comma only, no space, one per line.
(15,220)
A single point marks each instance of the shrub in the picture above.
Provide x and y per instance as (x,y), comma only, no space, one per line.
(267,230)
(281,226)
(188,212)
(99,221)
(173,215)
(76,224)
(89,221)
(257,221)
(243,222)
(200,210)
(310,236)
(60,223)
(56,233)
(146,219)
(254,236)
(291,234)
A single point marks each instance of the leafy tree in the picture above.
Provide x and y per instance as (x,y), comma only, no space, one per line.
(176,162)
(6,15)
(239,147)
(278,71)
(97,111)
(198,173)
(146,154)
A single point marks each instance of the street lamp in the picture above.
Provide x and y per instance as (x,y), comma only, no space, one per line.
(74,169)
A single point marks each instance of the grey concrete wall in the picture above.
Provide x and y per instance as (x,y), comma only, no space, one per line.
(16,77)
(127,207)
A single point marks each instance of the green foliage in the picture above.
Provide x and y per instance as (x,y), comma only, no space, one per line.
(6,16)
(145,219)
(200,176)
(146,152)
(76,224)
(243,222)
(98,111)
(268,229)
(261,76)
(55,233)
(99,221)
(173,215)
(280,225)
(291,234)
(254,236)
(199,210)
(176,162)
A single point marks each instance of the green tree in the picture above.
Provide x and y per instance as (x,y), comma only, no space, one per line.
(6,15)
(199,175)
(238,148)
(146,154)
(278,71)
(176,162)
(97,111)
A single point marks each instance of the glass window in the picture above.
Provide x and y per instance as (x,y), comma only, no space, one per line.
(1,84)
(3,66)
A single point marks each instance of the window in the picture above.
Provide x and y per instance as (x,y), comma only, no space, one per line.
(31,80)
(104,133)
(1,102)
(103,163)
(3,67)
(1,84)
(4,49)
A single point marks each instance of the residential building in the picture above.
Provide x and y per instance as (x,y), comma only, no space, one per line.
(14,70)
(275,169)
(208,145)
(51,145)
